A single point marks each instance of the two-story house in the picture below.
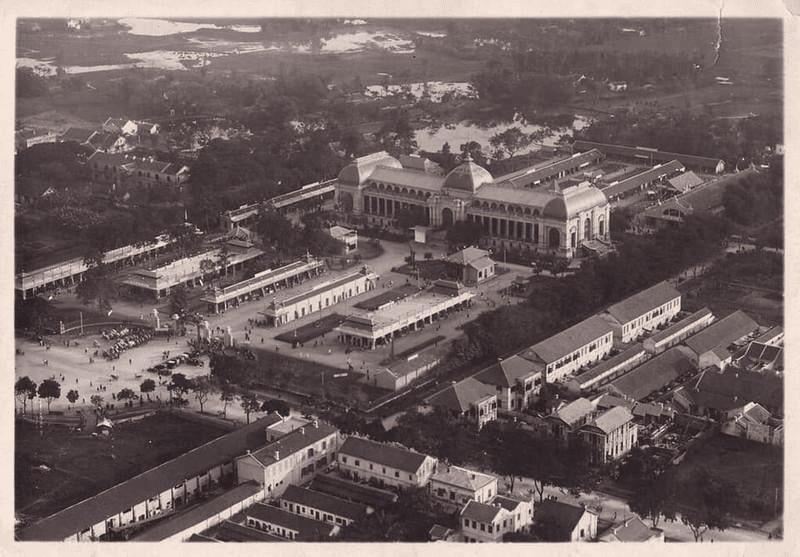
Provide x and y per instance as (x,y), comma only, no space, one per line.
(643,312)
(515,379)
(452,487)
(489,522)
(468,399)
(565,422)
(384,464)
(295,458)
(610,435)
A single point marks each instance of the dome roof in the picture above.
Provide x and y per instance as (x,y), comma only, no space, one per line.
(359,170)
(570,202)
(468,176)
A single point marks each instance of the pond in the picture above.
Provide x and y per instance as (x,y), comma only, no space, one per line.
(432,138)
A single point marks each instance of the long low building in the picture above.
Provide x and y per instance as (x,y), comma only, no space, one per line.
(651,176)
(372,329)
(190,270)
(677,332)
(264,283)
(67,273)
(152,494)
(608,370)
(655,374)
(651,156)
(319,297)
(183,526)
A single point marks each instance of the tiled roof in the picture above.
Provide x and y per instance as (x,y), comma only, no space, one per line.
(655,373)
(482,263)
(480,512)
(469,479)
(568,341)
(507,502)
(612,419)
(645,301)
(233,532)
(122,496)
(79,135)
(307,528)
(467,256)
(610,401)
(538,198)
(290,443)
(645,153)
(506,372)
(685,181)
(563,516)
(381,453)
(575,410)
(527,177)
(462,395)
(722,333)
(630,530)
(324,502)
(734,388)
(358,493)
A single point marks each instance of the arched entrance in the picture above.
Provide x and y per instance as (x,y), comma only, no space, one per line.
(587,229)
(553,238)
(447,217)
(346,202)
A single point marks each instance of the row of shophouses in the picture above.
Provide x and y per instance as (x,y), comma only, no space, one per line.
(287,479)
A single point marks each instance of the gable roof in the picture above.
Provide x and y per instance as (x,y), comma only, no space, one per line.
(324,502)
(612,419)
(568,341)
(467,256)
(645,301)
(462,395)
(563,516)
(630,530)
(734,388)
(658,336)
(722,333)
(79,135)
(507,502)
(629,354)
(97,508)
(506,372)
(381,453)
(293,442)
(655,373)
(307,528)
(480,512)
(575,410)
(462,477)
(685,181)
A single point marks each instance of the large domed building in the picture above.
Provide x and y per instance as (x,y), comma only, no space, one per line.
(548,208)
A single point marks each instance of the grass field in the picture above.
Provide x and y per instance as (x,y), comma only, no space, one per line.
(81,465)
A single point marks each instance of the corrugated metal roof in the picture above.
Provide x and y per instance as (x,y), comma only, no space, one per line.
(307,528)
(324,502)
(655,373)
(722,333)
(612,419)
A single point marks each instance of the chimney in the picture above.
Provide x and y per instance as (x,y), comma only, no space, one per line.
(248,451)
(302,430)
(316,424)
(277,454)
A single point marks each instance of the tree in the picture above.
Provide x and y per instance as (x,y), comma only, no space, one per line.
(654,499)
(250,404)
(202,390)
(710,499)
(73,396)
(274,405)
(25,390)
(179,300)
(512,140)
(179,386)
(96,400)
(147,387)
(126,393)
(226,396)
(50,390)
